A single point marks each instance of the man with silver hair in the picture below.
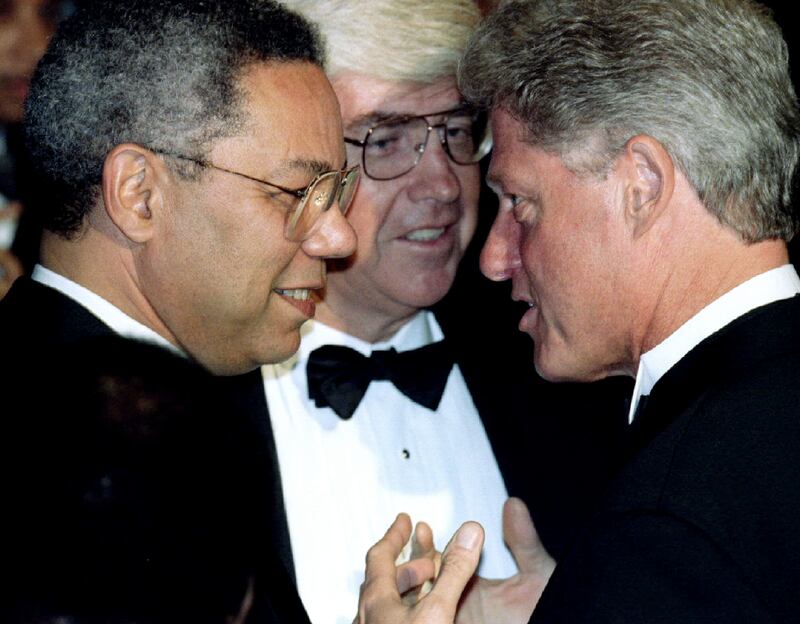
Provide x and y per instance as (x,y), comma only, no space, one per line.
(644,156)
(389,406)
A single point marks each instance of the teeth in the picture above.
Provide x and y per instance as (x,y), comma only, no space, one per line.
(425,234)
(302,294)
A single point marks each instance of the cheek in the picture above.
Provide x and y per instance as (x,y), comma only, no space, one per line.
(469,179)
(371,214)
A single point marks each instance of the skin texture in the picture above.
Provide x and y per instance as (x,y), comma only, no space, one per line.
(559,238)
(390,278)
(25,27)
(198,261)
(611,264)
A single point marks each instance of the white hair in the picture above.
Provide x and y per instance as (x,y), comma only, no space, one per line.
(399,40)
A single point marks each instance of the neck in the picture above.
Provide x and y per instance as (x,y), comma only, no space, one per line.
(701,280)
(368,325)
(104,264)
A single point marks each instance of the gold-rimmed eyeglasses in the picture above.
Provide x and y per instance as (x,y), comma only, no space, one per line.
(321,193)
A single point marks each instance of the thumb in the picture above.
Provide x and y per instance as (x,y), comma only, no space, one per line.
(459,562)
(523,541)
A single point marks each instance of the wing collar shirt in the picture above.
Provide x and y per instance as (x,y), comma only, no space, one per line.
(768,287)
(111,315)
(344,481)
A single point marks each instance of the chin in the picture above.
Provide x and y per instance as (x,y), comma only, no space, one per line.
(278,351)
(551,367)
(428,295)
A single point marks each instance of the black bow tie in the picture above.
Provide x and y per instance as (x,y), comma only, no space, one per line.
(338,377)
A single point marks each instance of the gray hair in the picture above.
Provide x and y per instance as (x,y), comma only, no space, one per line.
(160,73)
(399,40)
(708,79)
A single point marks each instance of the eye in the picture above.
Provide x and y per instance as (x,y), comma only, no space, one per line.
(524,209)
(509,201)
(388,140)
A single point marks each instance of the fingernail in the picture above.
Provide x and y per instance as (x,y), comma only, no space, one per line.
(468,536)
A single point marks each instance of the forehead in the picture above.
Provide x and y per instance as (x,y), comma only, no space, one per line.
(290,114)
(364,99)
(511,154)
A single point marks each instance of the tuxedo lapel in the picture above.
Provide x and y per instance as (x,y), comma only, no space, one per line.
(247,395)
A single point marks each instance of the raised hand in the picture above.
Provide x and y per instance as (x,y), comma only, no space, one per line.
(381,600)
(511,600)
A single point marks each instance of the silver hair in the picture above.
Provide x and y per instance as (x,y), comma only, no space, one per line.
(398,40)
(164,74)
(709,79)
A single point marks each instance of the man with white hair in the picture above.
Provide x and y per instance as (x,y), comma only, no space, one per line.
(389,406)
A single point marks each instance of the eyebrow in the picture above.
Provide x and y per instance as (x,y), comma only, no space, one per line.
(494,182)
(368,120)
(307,165)
(378,116)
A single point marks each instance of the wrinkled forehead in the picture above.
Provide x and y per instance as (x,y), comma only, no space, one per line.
(366,100)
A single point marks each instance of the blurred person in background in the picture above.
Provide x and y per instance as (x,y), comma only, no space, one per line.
(25,28)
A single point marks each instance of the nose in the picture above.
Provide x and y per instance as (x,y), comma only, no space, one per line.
(434,174)
(500,255)
(331,237)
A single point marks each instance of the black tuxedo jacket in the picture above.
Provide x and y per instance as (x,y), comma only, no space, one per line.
(555,444)
(702,523)
(41,328)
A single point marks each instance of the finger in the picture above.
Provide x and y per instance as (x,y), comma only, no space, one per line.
(423,546)
(380,574)
(414,573)
(522,539)
(422,541)
(381,557)
(459,562)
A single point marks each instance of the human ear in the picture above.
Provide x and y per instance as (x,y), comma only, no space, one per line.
(650,182)
(132,190)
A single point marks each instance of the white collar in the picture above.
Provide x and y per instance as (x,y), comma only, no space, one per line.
(768,287)
(107,312)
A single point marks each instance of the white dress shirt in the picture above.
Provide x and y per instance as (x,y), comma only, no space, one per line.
(768,287)
(344,481)
(107,312)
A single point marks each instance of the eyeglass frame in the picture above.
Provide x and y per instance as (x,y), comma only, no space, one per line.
(301,194)
(482,150)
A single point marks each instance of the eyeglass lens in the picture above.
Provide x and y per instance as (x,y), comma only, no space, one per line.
(332,186)
(395,147)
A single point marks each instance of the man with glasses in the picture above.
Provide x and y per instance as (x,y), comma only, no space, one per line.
(196,153)
(390,406)
(645,156)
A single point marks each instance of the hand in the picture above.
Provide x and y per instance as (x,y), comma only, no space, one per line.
(380,601)
(421,547)
(511,600)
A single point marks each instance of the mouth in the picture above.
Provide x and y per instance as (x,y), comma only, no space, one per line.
(425,235)
(430,236)
(528,322)
(300,298)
